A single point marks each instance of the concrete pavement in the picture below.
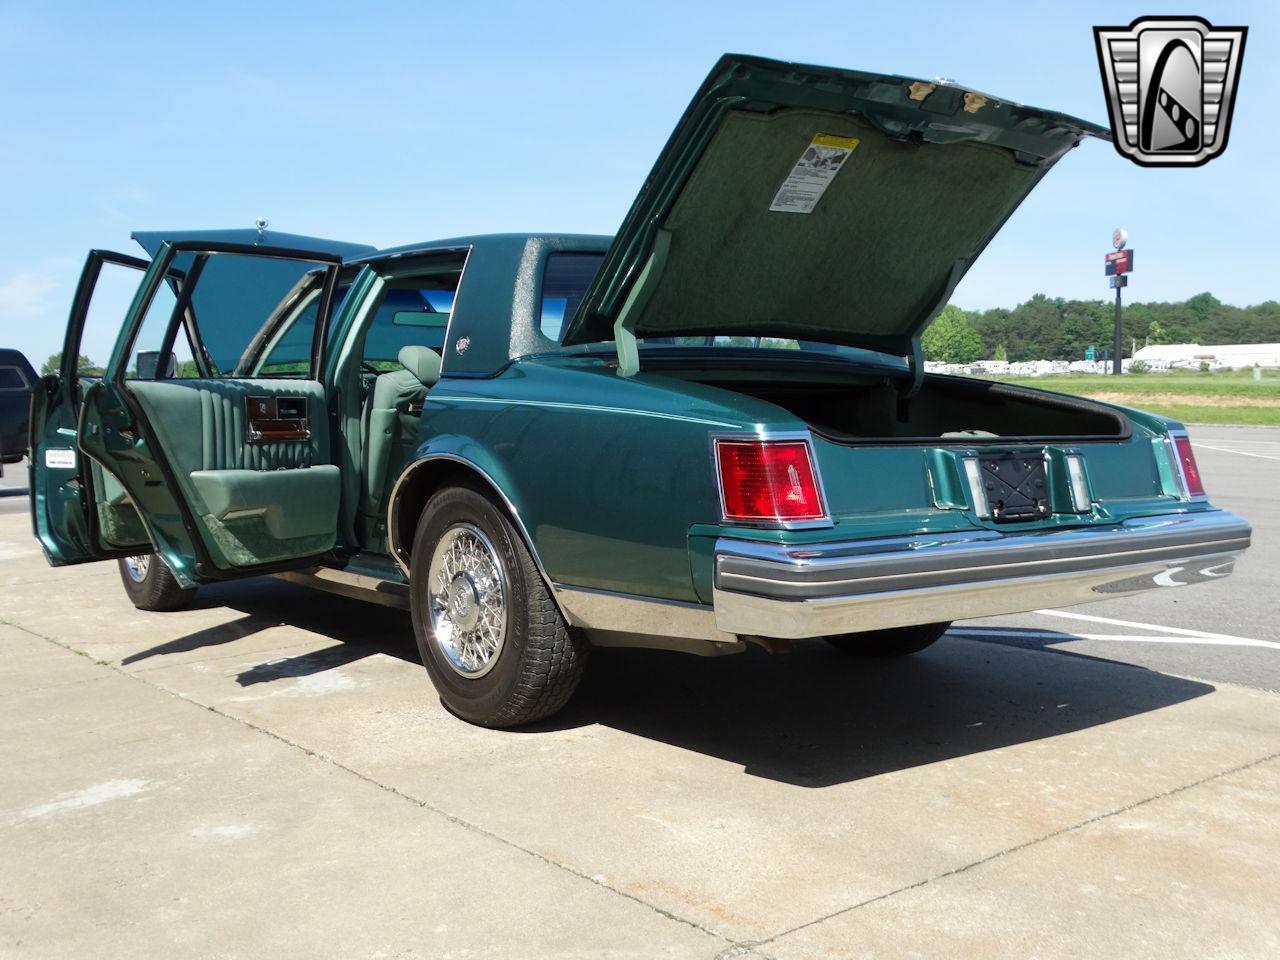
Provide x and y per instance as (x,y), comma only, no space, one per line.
(270,774)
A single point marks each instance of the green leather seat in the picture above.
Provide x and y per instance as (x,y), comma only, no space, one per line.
(391,417)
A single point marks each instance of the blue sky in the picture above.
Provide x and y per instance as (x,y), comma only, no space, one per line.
(392,123)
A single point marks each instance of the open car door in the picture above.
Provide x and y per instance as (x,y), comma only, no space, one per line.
(77,512)
(227,475)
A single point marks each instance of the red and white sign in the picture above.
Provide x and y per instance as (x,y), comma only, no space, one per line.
(1118,261)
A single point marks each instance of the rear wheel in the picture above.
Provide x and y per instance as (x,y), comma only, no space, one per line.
(151,586)
(898,642)
(489,632)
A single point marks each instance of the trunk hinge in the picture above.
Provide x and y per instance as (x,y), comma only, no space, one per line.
(915,369)
(915,362)
(624,336)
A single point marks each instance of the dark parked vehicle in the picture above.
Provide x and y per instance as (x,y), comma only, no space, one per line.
(17,377)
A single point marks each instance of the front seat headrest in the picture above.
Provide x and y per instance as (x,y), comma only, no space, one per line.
(422,362)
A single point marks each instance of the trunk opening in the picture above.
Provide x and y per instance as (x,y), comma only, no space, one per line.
(862,408)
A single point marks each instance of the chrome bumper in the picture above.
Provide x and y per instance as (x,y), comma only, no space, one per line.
(790,591)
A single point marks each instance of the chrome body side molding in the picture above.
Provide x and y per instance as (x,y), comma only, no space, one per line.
(354,585)
(624,620)
(626,613)
(792,592)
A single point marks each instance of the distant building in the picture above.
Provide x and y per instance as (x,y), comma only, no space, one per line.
(1172,356)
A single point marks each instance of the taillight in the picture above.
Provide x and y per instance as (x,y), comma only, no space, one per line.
(768,480)
(1187,461)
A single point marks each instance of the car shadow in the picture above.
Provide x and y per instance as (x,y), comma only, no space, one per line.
(358,629)
(819,717)
(813,718)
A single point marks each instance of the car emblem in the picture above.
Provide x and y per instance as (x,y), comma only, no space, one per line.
(1171,85)
(460,345)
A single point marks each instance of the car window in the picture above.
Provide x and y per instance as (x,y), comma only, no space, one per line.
(289,352)
(413,312)
(108,307)
(201,323)
(565,279)
(13,378)
(145,363)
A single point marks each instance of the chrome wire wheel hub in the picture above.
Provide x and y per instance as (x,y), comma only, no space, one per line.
(138,567)
(467,600)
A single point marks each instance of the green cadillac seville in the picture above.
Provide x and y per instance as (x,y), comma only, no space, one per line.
(713,429)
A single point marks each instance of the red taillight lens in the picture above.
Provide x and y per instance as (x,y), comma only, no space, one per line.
(1187,459)
(768,480)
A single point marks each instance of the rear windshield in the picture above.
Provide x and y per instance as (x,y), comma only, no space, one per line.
(567,276)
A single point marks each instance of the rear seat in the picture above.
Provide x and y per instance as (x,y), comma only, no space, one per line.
(391,416)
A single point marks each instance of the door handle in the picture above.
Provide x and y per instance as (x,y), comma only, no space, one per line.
(272,419)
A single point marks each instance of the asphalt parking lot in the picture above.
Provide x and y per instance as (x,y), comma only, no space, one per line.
(269,775)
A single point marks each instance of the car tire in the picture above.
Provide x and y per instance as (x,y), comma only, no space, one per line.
(151,586)
(488,629)
(898,642)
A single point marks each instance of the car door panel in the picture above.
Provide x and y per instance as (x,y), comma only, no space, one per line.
(118,522)
(240,503)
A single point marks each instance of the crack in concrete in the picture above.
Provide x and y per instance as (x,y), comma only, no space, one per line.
(1017,848)
(395,791)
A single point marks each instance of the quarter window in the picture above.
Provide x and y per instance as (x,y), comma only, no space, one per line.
(564,281)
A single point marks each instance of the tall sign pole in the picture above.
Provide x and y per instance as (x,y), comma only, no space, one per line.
(1117,346)
(1119,264)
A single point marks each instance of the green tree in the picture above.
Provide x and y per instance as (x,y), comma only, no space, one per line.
(951,338)
(1203,306)
(1051,328)
(1000,353)
(84,366)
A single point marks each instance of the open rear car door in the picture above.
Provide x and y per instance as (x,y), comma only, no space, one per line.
(171,451)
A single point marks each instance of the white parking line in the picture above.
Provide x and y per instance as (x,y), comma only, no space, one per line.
(1242,453)
(1141,626)
(1264,443)
(1208,640)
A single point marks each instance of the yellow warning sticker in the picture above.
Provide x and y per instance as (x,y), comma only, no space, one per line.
(840,143)
(813,173)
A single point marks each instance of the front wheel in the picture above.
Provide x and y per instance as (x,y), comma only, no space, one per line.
(489,632)
(898,642)
(151,586)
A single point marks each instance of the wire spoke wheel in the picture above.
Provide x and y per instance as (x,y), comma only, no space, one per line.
(137,567)
(151,585)
(489,632)
(467,600)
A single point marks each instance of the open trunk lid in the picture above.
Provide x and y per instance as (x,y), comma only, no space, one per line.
(817,204)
